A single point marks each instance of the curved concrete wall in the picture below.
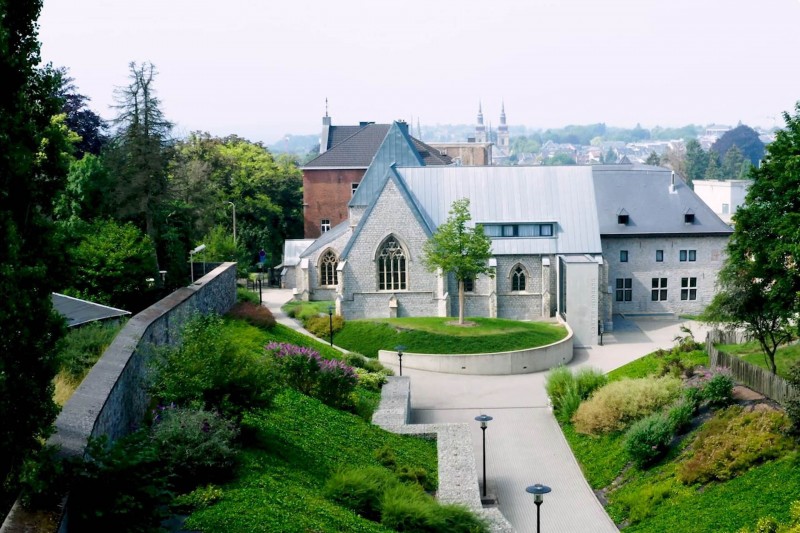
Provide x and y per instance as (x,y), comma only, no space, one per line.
(500,363)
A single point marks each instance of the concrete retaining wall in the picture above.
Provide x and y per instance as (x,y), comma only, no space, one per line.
(458,475)
(112,399)
(500,363)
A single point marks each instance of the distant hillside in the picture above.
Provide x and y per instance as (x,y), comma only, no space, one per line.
(294,144)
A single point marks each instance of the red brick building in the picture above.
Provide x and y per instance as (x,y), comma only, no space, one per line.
(331,179)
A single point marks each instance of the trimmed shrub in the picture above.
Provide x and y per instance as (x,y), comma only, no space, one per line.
(647,439)
(321,325)
(619,403)
(196,446)
(732,442)
(372,381)
(360,489)
(207,371)
(718,391)
(254,314)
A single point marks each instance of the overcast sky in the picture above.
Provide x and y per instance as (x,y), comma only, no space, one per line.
(262,69)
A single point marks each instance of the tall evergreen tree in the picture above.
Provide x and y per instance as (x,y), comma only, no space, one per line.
(696,161)
(32,168)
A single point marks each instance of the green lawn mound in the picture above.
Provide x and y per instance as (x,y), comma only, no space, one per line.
(437,335)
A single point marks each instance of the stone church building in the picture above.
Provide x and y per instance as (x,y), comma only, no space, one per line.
(577,242)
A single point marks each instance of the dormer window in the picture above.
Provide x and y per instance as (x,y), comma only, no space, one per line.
(688,217)
(622,217)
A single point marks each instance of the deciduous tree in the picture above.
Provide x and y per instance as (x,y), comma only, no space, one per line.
(459,249)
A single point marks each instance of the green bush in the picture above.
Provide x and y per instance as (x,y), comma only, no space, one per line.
(360,489)
(567,390)
(407,508)
(647,439)
(210,371)
(386,456)
(415,474)
(557,382)
(619,403)
(732,442)
(82,346)
(44,479)
(253,314)
(642,503)
(792,404)
(244,295)
(196,446)
(718,391)
(693,396)
(569,403)
(372,381)
(197,499)
(458,518)
(681,415)
(336,383)
(587,380)
(320,326)
(119,488)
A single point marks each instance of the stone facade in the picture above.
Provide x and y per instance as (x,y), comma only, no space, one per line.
(642,267)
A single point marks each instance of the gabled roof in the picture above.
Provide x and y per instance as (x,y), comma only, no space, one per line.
(424,221)
(326,238)
(563,196)
(396,149)
(652,206)
(78,311)
(293,249)
(356,146)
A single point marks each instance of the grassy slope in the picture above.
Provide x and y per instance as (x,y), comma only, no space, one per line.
(298,443)
(767,489)
(751,352)
(431,335)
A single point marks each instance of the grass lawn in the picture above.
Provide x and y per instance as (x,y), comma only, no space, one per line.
(751,352)
(653,500)
(299,443)
(433,335)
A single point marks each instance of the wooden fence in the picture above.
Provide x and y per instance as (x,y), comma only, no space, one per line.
(757,378)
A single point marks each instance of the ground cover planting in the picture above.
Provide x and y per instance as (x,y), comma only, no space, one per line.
(697,462)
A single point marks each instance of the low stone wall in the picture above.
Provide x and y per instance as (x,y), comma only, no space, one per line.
(458,475)
(112,399)
(500,363)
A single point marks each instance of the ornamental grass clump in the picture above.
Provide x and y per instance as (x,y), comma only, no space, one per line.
(614,406)
(303,369)
(567,390)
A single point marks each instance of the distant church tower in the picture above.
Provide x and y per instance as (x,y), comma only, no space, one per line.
(502,130)
(480,129)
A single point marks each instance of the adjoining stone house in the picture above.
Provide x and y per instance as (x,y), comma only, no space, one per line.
(579,242)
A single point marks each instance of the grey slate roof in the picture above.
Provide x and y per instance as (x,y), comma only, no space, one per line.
(78,311)
(293,249)
(643,191)
(561,195)
(326,238)
(359,148)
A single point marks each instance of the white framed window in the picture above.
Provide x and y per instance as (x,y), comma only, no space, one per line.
(325,225)
(392,267)
(328,275)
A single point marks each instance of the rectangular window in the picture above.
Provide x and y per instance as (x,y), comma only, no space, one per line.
(624,289)
(493,230)
(325,225)
(353,187)
(659,256)
(546,230)
(692,255)
(518,230)
(510,231)
(469,285)
(623,256)
(658,289)
(726,209)
(688,255)
(622,219)
(688,288)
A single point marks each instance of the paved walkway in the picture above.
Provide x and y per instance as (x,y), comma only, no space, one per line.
(524,444)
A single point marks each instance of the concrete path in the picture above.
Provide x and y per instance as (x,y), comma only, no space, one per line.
(524,444)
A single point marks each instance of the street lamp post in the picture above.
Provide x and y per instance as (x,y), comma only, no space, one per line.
(234,221)
(330,322)
(191,258)
(400,356)
(484,420)
(538,492)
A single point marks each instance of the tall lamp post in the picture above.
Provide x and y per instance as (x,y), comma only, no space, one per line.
(538,492)
(234,221)
(400,356)
(191,258)
(484,420)
(330,322)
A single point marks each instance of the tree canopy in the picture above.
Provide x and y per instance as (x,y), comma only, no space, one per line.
(459,249)
(743,137)
(760,281)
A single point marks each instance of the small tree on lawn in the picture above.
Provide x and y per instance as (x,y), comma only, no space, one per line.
(460,249)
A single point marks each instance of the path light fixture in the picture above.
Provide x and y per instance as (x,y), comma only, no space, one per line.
(400,349)
(234,221)
(330,322)
(484,420)
(538,492)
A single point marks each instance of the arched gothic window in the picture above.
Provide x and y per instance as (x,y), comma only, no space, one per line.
(392,269)
(518,278)
(327,269)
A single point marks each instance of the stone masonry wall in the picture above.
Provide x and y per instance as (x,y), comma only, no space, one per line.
(522,305)
(642,267)
(391,215)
